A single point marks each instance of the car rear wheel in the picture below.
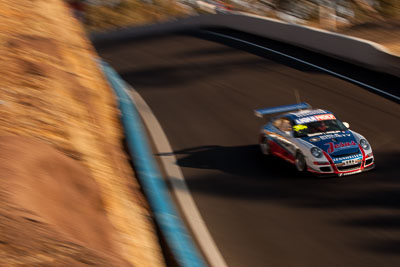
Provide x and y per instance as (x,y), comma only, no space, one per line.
(300,162)
(265,149)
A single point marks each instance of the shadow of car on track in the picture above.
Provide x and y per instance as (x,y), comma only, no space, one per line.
(245,161)
(243,172)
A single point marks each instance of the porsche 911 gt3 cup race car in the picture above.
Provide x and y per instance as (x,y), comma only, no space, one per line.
(314,140)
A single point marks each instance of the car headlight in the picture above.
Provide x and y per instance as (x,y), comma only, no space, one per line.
(316,152)
(364,144)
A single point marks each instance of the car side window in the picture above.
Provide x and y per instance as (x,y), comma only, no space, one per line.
(283,124)
(277,123)
(286,125)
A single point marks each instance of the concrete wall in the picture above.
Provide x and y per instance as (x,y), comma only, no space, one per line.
(357,51)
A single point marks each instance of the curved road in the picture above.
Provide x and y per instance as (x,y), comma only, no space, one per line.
(259,211)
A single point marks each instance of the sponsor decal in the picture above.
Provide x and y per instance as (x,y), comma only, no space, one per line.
(315,139)
(320,117)
(358,156)
(314,112)
(350,173)
(325,117)
(342,145)
(331,136)
(305,120)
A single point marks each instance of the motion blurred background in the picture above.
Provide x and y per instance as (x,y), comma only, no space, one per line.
(375,20)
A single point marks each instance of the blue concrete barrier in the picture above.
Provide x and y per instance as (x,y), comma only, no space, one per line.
(172,228)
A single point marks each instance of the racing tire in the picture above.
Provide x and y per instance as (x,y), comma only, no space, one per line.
(265,149)
(300,162)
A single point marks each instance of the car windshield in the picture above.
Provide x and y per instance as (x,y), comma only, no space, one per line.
(317,127)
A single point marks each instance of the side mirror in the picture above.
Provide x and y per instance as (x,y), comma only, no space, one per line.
(346,124)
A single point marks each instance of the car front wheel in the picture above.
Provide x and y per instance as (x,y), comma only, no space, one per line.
(300,162)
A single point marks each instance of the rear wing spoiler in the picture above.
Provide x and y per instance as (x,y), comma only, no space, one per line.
(265,111)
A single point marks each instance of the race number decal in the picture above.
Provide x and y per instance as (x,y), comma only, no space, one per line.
(350,162)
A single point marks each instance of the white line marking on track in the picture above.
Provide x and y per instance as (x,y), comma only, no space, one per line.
(179,187)
(307,63)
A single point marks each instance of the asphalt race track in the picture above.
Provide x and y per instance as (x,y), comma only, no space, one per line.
(259,210)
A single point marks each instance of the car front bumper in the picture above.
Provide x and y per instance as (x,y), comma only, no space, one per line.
(332,169)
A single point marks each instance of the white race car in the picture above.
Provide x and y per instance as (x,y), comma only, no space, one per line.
(314,140)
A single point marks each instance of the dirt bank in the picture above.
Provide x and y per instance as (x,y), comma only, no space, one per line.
(386,33)
(52,91)
(51,209)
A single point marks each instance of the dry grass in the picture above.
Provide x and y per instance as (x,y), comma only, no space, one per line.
(131,12)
